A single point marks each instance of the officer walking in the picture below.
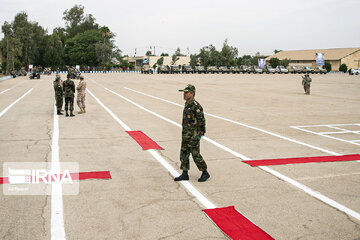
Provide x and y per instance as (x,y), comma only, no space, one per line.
(69,90)
(81,95)
(306,83)
(193,128)
(58,95)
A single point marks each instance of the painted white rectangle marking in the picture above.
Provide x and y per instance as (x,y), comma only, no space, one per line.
(13,103)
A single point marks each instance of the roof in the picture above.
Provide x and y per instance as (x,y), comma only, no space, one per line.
(330,54)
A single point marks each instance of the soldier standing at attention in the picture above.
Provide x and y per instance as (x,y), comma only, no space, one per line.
(193,128)
(58,95)
(69,90)
(81,95)
(306,83)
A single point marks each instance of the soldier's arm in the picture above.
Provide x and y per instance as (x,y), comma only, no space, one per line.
(201,119)
(73,87)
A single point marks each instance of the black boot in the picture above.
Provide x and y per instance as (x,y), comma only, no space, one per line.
(71,114)
(67,113)
(204,176)
(59,113)
(183,176)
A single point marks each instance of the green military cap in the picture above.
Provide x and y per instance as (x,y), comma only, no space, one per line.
(188,88)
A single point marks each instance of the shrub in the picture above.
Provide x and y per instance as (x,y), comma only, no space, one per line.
(343,68)
(327,66)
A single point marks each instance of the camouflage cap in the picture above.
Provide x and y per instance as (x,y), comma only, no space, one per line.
(188,88)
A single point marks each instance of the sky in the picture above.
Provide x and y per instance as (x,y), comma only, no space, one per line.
(251,26)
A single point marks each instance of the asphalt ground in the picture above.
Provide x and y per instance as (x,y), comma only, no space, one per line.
(142,201)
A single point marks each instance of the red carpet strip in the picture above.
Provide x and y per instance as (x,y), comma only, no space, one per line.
(143,140)
(282,161)
(75,176)
(235,225)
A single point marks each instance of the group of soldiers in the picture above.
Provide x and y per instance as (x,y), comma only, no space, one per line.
(66,90)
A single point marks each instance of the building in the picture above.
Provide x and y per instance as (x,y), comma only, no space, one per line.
(138,61)
(335,56)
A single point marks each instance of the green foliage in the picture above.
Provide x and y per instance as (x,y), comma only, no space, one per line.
(160,61)
(148,53)
(276,51)
(343,68)
(81,49)
(327,66)
(228,54)
(285,62)
(193,60)
(164,54)
(274,62)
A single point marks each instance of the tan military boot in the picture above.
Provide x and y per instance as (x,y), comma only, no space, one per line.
(84,110)
(81,111)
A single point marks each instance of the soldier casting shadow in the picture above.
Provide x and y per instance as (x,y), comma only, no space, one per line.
(306,83)
(81,95)
(193,128)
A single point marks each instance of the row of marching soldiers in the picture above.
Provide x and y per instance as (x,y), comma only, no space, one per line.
(66,90)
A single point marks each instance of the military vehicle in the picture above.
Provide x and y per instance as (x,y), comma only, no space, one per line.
(212,69)
(224,69)
(34,74)
(245,69)
(269,69)
(163,69)
(294,69)
(146,69)
(187,69)
(307,70)
(281,69)
(256,69)
(320,70)
(355,71)
(174,69)
(234,69)
(75,74)
(200,69)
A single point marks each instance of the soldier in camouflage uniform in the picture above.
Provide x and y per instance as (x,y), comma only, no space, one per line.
(306,84)
(69,90)
(59,94)
(193,128)
(81,95)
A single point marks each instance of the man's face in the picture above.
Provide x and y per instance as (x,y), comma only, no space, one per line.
(188,95)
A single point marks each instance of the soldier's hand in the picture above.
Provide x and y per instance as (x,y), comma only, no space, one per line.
(201,133)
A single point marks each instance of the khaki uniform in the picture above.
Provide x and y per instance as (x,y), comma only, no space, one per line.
(306,83)
(81,89)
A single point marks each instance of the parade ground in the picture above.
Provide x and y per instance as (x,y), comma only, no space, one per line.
(249,117)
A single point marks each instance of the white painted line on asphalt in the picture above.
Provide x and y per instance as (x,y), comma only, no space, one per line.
(57,219)
(200,197)
(306,189)
(12,104)
(5,91)
(245,125)
(326,134)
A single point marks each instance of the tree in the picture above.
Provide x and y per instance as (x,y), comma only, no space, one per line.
(148,53)
(160,61)
(103,53)
(193,60)
(343,68)
(175,56)
(276,51)
(285,62)
(274,62)
(327,66)
(164,54)
(81,49)
(204,56)
(105,32)
(228,54)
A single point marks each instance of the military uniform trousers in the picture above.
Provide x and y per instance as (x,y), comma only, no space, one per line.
(69,101)
(193,147)
(307,88)
(80,100)
(59,102)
